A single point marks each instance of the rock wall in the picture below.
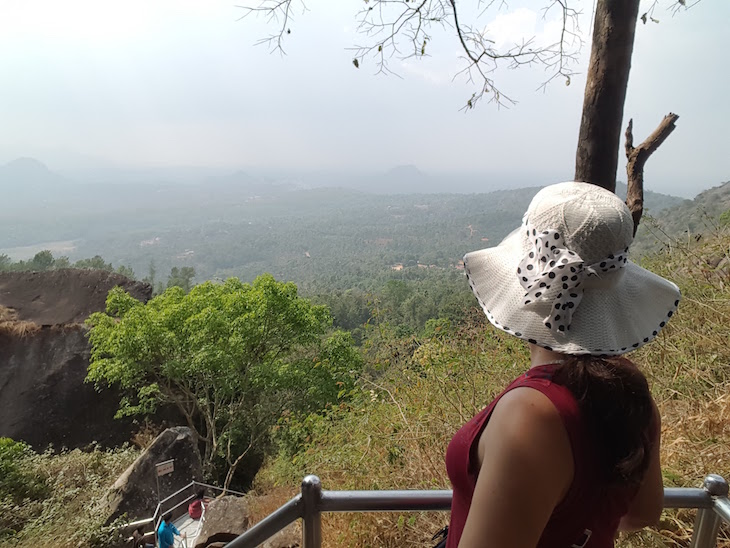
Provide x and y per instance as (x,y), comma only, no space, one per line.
(44,355)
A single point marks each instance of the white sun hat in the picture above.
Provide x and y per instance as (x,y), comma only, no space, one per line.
(563,280)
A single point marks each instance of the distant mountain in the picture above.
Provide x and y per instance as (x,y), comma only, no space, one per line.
(695,215)
(690,216)
(26,181)
(241,183)
(655,202)
(28,172)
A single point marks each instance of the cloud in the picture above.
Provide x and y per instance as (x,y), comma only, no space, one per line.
(523,24)
(508,29)
(438,77)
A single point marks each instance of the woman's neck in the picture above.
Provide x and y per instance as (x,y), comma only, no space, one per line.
(541,356)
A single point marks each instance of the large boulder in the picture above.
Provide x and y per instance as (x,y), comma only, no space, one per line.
(43,396)
(135,492)
(289,537)
(44,357)
(66,296)
(225,519)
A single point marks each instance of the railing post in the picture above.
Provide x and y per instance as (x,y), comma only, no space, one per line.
(311,516)
(707,522)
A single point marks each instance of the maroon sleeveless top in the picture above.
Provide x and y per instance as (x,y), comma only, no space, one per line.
(589,514)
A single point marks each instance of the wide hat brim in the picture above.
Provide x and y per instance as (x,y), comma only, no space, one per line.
(621,314)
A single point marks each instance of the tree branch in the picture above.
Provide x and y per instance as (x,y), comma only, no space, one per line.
(400,29)
(637,157)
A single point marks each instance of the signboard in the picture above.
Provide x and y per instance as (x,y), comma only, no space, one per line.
(164,468)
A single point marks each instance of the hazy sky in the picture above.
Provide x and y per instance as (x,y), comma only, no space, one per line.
(146,83)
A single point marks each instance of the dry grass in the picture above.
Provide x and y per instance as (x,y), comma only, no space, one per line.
(74,513)
(18,329)
(145,435)
(396,437)
(11,326)
(7,314)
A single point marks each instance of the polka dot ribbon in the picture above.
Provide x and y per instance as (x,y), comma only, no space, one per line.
(552,272)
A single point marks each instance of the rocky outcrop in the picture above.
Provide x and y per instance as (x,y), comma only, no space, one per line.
(225,519)
(134,494)
(289,537)
(44,355)
(66,296)
(43,396)
(228,517)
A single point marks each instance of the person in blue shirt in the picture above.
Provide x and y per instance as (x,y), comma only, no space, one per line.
(166,532)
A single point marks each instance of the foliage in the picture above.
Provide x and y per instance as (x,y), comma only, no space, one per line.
(44,261)
(725,218)
(17,480)
(232,357)
(407,299)
(70,509)
(181,277)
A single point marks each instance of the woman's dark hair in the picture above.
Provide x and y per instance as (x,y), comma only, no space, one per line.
(614,397)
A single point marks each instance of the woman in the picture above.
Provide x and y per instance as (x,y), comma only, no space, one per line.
(569,453)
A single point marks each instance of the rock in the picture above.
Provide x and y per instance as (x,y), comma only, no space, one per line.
(135,492)
(44,357)
(289,537)
(66,296)
(225,519)
(43,396)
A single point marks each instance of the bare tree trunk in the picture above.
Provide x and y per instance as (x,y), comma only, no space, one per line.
(637,157)
(603,106)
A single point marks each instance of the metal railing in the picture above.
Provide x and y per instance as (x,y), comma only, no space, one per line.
(170,504)
(711,501)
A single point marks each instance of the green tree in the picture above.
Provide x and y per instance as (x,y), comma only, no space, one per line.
(61,262)
(724,221)
(152,273)
(17,480)
(181,277)
(42,261)
(232,357)
(126,271)
(95,263)
(5,262)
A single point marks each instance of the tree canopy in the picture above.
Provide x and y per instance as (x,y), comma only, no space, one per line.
(233,358)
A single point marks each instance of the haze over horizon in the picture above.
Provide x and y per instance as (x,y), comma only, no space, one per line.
(178,85)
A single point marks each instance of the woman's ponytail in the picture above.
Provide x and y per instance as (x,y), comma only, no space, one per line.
(614,397)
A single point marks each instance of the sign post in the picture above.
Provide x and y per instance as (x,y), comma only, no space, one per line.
(162,469)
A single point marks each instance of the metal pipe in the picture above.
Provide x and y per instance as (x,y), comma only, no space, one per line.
(270,525)
(312,517)
(722,508)
(707,522)
(379,501)
(182,503)
(704,531)
(684,497)
(176,493)
(712,502)
(224,491)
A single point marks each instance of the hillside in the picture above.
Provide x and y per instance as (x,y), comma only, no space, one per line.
(425,386)
(698,215)
(680,221)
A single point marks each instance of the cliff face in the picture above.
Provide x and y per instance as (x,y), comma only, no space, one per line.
(66,296)
(44,354)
